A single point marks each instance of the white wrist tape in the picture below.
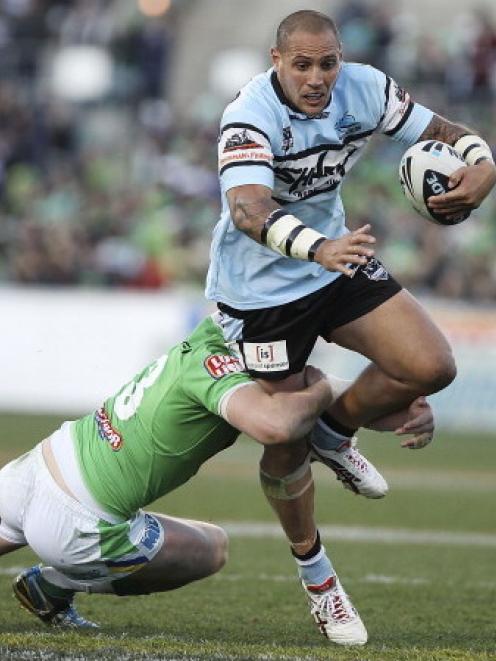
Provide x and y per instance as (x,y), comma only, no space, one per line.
(289,237)
(473,149)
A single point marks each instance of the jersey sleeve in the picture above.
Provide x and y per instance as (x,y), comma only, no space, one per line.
(212,378)
(402,118)
(245,152)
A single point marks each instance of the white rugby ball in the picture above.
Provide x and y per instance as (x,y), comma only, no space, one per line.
(424,171)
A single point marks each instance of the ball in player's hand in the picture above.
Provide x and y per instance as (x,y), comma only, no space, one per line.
(425,169)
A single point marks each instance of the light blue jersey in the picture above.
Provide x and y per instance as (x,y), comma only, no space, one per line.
(265,140)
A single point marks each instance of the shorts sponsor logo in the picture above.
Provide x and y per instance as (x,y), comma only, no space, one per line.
(151,534)
(106,431)
(218,366)
(266,356)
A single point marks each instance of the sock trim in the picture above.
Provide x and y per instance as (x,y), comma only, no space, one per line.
(337,427)
(309,556)
(313,560)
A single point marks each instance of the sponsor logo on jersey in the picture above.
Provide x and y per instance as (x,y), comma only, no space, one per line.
(266,356)
(403,99)
(245,156)
(401,93)
(219,366)
(106,431)
(241,140)
(287,138)
(237,144)
(347,125)
(313,174)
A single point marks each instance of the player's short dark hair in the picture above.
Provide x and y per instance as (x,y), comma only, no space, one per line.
(306,20)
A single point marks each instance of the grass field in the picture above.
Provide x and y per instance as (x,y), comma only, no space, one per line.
(424,596)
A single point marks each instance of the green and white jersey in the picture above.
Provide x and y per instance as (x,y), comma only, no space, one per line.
(162,426)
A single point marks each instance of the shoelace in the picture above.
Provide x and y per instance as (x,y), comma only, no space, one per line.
(333,606)
(356,459)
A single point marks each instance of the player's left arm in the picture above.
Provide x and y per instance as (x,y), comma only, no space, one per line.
(470,185)
(279,417)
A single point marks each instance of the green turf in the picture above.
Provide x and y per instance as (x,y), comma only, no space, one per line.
(420,602)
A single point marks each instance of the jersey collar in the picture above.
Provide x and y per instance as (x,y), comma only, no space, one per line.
(295,112)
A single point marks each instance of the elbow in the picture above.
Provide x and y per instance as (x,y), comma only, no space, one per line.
(242,222)
(279,433)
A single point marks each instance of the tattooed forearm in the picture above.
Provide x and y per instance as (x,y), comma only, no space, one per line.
(250,206)
(443,130)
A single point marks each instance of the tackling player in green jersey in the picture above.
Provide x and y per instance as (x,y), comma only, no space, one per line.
(76,498)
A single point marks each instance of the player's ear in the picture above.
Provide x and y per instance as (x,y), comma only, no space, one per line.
(275,56)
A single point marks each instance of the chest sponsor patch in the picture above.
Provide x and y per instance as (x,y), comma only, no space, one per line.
(266,356)
(218,366)
(106,431)
(298,177)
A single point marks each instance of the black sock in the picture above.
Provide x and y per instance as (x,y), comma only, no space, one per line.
(336,426)
(309,554)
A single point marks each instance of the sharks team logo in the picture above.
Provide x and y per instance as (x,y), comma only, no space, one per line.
(347,125)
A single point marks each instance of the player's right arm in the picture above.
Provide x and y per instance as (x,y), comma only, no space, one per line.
(280,417)
(255,213)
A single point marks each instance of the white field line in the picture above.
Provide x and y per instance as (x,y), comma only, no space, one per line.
(378,579)
(368,534)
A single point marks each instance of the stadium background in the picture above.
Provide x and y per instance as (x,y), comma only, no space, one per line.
(108,188)
(108,195)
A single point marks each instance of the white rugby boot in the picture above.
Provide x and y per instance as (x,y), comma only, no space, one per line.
(334,613)
(354,470)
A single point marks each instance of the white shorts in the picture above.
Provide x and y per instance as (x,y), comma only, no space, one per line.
(66,534)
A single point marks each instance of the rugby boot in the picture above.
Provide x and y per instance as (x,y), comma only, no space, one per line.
(352,469)
(335,615)
(54,612)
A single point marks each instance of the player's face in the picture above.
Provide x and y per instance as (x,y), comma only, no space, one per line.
(307,69)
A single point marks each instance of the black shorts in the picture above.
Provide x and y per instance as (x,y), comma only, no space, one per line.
(276,342)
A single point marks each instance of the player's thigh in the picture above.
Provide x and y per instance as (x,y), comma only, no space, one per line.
(16,482)
(191,550)
(400,337)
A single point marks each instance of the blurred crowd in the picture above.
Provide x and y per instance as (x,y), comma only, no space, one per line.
(120,191)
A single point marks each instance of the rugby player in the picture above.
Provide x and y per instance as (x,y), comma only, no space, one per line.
(285,269)
(76,498)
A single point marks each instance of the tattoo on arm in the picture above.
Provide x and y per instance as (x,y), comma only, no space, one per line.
(249,215)
(443,130)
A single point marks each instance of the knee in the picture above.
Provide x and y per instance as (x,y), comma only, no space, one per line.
(218,543)
(280,460)
(435,372)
